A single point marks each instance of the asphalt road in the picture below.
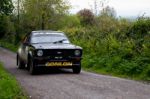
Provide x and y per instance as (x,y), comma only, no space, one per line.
(63,84)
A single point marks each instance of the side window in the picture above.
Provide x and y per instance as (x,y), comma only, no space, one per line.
(26,39)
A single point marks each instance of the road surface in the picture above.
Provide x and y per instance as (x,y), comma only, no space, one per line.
(61,84)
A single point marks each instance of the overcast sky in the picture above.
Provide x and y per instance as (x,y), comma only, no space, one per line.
(125,8)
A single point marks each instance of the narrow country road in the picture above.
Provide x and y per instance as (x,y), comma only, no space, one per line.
(61,84)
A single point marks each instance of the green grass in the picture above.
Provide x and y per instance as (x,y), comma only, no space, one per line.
(8,45)
(9,87)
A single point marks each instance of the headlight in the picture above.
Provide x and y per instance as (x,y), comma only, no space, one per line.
(39,53)
(77,52)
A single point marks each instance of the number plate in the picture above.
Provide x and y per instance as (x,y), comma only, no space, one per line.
(59,64)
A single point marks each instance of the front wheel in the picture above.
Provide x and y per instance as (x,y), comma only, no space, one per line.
(76,69)
(32,68)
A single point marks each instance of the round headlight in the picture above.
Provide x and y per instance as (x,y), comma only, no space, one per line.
(77,52)
(40,53)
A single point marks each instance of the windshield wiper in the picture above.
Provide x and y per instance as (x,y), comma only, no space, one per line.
(60,41)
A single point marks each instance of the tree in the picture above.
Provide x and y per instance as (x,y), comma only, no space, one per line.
(6,27)
(108,11)
(106,21)
(68,21)
(43,14)
(6,7)
(86,17)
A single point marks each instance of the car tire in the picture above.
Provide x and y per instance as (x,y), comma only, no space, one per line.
(32,68)
(20,63)
(76,69)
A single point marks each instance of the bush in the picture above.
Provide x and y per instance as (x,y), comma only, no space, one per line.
(115,53)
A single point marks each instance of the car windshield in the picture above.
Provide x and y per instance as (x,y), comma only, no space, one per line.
(49,38)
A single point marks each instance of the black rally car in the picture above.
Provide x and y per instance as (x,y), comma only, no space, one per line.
(48,49)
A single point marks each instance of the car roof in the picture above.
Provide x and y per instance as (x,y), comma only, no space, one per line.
(48,32)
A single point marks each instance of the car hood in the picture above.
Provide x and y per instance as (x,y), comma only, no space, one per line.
(55,46)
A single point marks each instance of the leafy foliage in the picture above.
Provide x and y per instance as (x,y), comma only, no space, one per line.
(42,14)
(115,52)
(7,29)
(111,45)
(6,7)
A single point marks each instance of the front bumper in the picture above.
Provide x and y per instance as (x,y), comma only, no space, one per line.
(43,61)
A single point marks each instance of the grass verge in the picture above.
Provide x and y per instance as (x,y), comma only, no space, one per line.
(8,45)
(9,87)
